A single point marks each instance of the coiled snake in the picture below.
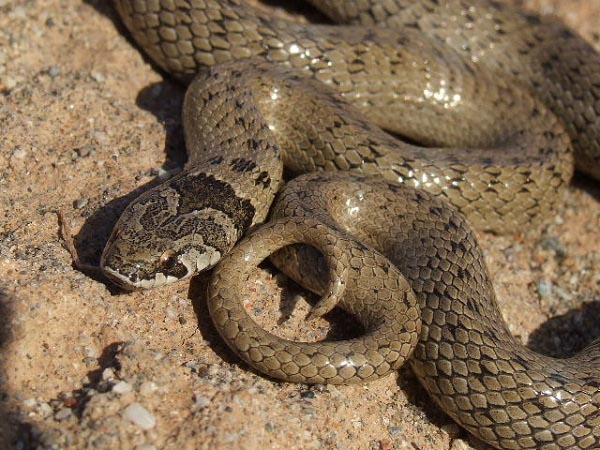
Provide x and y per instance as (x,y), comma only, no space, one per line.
(494,98)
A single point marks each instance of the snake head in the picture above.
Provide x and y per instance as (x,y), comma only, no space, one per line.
(162,237)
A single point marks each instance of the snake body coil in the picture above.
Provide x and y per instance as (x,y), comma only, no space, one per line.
(497,98)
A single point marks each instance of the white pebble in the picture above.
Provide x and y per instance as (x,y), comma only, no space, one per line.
(140,416)
(8,82)
(63,414)
(19,153)
(30,402)
(101,137)
(97,76)
(201,401)
(45,410)
(148,387)
(544,287)
(122,387)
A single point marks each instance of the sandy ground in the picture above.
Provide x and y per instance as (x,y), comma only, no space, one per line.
(86,123)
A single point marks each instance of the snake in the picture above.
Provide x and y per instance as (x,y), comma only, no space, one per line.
(402,125)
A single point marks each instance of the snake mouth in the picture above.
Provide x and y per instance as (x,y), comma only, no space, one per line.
(133,281)
(172,266)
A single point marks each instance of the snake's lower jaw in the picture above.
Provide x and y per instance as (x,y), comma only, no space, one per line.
(134,283)
(187,265)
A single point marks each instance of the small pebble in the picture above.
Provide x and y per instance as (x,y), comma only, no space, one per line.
(307,394)
(80,203)
(140,416)
(395,431)
(309,411)
(45,409)
(201,401)
(30,403)
(213,370)
(122,387)
(334,392)
(192,365)
(70,402)
(8,83)
(553,244)
(98,77)
(108,374)
(89,361)
(148,387)
(53,71)
(19,153)
(63,414)
(544,287)
(85,151)
(232,437)
(101,137)
(145,447)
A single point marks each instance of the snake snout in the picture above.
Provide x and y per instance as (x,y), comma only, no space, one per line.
(125,278)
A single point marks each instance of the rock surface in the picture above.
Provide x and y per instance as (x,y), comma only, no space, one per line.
(86,122)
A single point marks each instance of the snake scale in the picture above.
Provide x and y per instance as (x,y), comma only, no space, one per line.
(491,103)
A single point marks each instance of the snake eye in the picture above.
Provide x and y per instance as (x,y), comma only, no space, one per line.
(168,259)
